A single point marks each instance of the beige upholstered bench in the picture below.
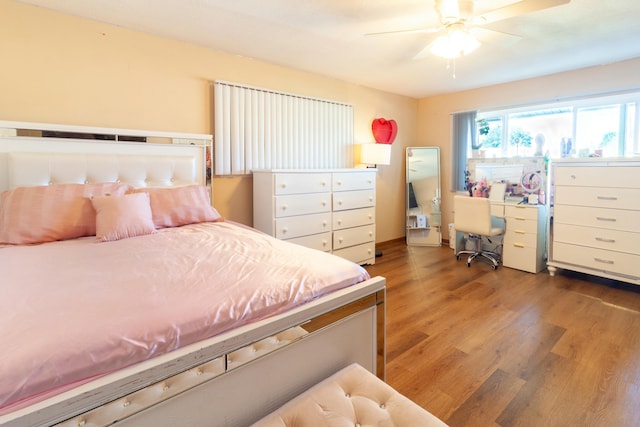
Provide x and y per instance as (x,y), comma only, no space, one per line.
(350,397)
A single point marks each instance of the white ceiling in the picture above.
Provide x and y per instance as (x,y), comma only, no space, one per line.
(329,37)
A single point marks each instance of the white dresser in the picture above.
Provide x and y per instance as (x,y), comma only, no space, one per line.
(332,210)
(595,226)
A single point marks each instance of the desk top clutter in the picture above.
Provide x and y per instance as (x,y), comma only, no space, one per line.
(528,189)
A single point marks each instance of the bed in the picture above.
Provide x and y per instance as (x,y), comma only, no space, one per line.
(165,313)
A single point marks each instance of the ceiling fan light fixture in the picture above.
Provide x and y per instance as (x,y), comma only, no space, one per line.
(456,42)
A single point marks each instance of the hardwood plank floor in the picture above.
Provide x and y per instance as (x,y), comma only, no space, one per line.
(478,347)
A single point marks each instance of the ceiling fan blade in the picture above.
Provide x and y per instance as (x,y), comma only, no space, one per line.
(516,9)
(414,31)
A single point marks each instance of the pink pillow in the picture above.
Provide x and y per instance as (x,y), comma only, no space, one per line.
(173,207)
(119,217)
(53,212)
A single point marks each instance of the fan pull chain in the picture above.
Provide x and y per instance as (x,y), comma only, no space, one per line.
(449,66)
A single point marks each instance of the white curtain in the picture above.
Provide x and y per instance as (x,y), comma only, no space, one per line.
(261,129)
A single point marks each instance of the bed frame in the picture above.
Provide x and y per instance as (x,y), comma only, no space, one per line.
(229,380)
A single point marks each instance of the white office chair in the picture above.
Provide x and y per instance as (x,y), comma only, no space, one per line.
(472,215)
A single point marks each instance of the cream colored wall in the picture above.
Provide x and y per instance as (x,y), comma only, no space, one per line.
(434,113)
(62,69)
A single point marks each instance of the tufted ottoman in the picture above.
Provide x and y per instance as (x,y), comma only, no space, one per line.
(350,397)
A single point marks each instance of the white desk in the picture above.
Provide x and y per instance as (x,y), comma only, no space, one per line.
(525,236)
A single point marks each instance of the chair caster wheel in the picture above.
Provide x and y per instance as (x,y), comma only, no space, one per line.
(458,257)
(494,267)
(468,264)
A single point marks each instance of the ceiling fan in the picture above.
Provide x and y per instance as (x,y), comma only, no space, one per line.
(459,22)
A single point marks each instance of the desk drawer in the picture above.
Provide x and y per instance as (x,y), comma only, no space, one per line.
(520,239)
(519,225)
(612,240)
(613,219)
(521,212)
(353,236)
(297,226)
(615,198)
(302,204)
(597,259)
(521,258)
(353,218)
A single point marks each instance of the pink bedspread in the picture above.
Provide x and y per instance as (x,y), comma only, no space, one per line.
(75,309)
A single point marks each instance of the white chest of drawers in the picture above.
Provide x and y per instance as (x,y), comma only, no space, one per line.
(328,210)
(596,218)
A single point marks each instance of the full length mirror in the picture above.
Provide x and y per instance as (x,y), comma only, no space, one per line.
(423,196)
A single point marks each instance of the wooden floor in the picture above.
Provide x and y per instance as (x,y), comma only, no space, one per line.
(478,347)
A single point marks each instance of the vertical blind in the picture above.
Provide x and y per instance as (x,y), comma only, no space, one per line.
(262,129)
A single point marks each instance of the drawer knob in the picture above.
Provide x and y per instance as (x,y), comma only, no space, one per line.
(573,176)
(324,223)
(339,222)
(283,185)
(284,230)
(371,199)
(338,182)
(284,207)
(323,183)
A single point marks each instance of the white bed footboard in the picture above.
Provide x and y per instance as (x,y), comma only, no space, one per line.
(199,385)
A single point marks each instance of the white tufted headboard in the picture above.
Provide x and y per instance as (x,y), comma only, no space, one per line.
(26,161)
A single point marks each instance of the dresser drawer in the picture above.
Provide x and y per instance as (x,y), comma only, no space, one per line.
(347,181)
(521,258)
(353,236)
(321,242)
(297,183)
(597,217)
(521,212)
(302,204)
(597,176)
(604,197)
(597,259)
(360,254)
(354,199)
(303,225)
(353,218)
(613,240)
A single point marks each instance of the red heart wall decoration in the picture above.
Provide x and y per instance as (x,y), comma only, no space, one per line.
(384,131)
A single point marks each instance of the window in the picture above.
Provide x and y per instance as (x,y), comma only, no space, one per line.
(603,126)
